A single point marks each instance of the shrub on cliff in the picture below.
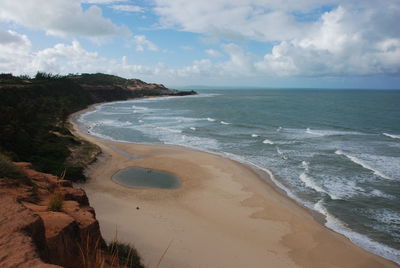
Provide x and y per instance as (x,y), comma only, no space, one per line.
(126,254)
(31,116)
(9,171)
(56,202)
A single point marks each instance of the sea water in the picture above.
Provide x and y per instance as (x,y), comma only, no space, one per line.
(333,151)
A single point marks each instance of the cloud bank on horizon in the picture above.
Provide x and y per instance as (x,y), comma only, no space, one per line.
(220,42)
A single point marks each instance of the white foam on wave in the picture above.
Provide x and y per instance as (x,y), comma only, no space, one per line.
(270,175)
(364,165)
(112,113)
(283,155)
(172,118)
(323,133)
(106,137)
(193,142)
(141,121)
(364,241)
(279,129)
(140,109)
(82,117)
(113,123)
(392,136)
(313,132)
(169,129)
(167,98)
(305,165)
(173,136)
(225,123)
(379,193)
(210,119)
(309,182)
(193,128)
(266,141)
(254,135)
(387,216)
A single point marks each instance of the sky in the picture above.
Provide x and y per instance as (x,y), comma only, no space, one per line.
(222,43)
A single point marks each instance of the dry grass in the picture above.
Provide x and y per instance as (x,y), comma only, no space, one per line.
(125,253)
(116,255)
(9,171)
(56,202)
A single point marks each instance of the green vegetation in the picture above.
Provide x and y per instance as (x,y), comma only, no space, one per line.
(126,254)
(56,202)
(9,171)
(98,79)
(32,112)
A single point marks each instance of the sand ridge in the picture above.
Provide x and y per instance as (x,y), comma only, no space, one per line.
(224,214)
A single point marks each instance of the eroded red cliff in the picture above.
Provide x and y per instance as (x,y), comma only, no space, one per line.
(31,235)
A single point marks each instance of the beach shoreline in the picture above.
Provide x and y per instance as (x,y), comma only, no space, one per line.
(198,222)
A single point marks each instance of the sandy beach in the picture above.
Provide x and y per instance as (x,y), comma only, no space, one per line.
(223,215)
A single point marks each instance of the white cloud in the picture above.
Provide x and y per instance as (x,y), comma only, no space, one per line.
(11,40)
(342,44)
(213,53)
(350,39)
(18,57)
(356,37)
(262,20)
(63,59)
(103,1)
(239,62)
(14,51)
(63,18)
(265,20)
(142,43)
(74,57)
(127,8)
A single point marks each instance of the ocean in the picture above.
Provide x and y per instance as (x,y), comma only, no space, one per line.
(334,151)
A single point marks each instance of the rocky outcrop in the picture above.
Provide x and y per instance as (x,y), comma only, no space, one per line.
(101,93)
(22,239)
(33,236)
(104,87)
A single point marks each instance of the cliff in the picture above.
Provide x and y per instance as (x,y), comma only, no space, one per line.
(104,87)
(32,235)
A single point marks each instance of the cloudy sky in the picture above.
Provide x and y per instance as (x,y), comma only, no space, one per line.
(254,43)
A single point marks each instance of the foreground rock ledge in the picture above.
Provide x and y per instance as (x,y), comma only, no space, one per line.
(33,236)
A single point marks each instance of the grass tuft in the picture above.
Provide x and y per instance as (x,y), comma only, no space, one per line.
(56,202)
(126,254)
(9,171)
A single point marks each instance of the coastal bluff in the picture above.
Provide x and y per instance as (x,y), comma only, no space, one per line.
(103,87)
(32,235)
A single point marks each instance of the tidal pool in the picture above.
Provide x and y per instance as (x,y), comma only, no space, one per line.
(146,178)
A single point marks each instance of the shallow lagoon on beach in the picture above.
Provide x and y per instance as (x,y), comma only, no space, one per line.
(146,178)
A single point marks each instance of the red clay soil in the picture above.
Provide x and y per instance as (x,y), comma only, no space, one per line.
(33,236)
